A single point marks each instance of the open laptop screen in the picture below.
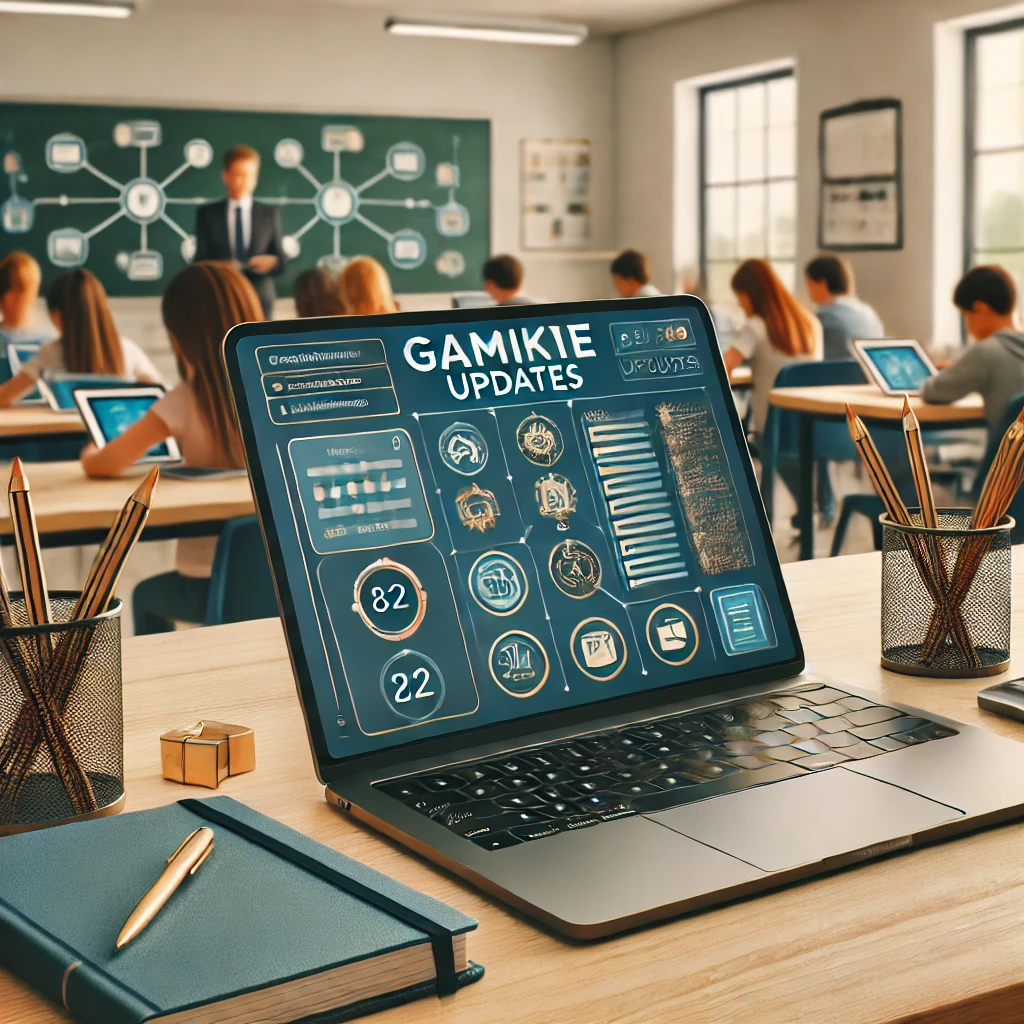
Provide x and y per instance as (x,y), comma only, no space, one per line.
(484,515)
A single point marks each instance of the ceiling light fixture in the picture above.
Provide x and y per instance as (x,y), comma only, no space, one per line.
(537,33)
(79,8)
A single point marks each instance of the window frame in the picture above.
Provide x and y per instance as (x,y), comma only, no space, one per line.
(702,182)
(971,152)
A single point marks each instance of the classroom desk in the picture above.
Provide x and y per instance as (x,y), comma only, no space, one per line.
(742,377)
(73,509)
(829,403)
(37,422)
(934,934)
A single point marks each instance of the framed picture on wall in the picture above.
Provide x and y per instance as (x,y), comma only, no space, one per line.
(555,194)
(861,188)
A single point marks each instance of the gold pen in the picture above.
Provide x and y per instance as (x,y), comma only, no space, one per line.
(185,861)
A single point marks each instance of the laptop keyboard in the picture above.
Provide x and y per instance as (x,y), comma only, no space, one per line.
(541,791)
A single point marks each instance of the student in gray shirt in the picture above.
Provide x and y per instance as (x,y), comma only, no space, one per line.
(843,316)
(994,365)
(631,277)
(503,281)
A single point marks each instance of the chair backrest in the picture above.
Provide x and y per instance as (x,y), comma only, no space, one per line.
(1013,410)
(805,375)
(241,586)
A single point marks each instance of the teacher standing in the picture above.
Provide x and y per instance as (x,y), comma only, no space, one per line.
(240,229)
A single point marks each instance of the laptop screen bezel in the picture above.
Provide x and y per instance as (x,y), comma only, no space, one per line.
(331,769)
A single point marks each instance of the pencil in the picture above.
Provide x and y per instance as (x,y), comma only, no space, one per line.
(30,660)
(897,511)
(94,599)
(1002,482)
(919,466)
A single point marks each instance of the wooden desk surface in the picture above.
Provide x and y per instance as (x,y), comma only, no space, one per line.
(28,420)
(933,935)
(65,499)
(867,401)
(741,377)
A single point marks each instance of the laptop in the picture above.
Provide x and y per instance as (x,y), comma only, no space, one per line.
(897,366)
(108,412)
(58,387)
(537,622)
(19,353)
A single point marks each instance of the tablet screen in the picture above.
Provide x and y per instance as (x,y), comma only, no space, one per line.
(114,415)
(900,366)
(490,515)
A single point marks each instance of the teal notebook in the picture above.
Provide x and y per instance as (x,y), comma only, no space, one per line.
(274,927)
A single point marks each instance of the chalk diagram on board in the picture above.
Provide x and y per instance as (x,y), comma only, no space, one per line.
(144,201)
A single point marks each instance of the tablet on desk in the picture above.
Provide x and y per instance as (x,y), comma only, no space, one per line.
(58,388)
(897,366)
(109,412)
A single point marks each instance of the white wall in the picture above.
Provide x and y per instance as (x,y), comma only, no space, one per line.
(845,50)
(319,57)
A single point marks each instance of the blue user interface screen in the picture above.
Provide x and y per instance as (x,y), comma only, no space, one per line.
(63,388)
(900,366)
(487,520)
(115,415)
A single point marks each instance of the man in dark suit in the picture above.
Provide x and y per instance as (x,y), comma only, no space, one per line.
(239,229)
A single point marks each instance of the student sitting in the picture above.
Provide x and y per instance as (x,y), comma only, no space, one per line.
(199,307)
(316,293)
(631,277)
(843,316)
(20,278)
(88,341)
(994,366)
(778,331)
(503,281)
(365,288)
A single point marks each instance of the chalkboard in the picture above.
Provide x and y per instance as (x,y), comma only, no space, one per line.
(116,189)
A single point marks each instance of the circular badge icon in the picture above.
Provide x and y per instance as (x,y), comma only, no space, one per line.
(463,449)
(540,440)
(518,663)
(672,634)
(574,568)
(599,649)
(498,583)
(412,685)
(390,599)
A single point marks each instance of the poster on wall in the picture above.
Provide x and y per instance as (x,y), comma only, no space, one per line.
(860,150)
(555,205)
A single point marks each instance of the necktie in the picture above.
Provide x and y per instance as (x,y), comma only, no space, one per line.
(239,236)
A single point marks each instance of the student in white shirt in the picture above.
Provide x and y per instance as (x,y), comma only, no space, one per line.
(778,331)
(199,307)
(630,276)
(20,278)
(88,341)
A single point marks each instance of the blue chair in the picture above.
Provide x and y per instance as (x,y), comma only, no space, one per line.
(781,439)
(241,586)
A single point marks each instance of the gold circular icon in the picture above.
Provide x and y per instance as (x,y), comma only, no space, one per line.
(517,660)
(498,583)
(394,608)
(600,653)
(669,634)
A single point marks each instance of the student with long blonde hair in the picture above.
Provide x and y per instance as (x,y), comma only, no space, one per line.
(199,307)
(778,331)
(20,278)
(88,341)
(365,288)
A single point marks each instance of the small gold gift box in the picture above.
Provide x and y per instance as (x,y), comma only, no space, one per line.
(207,753)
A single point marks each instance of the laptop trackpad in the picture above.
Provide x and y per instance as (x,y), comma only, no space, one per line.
(807,819)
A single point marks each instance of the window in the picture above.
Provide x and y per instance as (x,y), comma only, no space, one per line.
(994,175)
(748,178)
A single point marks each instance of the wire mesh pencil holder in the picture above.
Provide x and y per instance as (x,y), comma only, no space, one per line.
(946,596)
(61,728)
